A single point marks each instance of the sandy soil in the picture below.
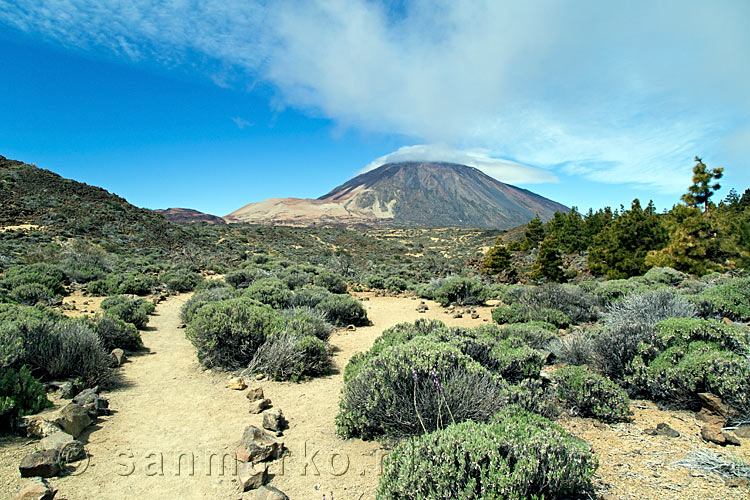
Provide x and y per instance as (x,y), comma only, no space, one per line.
(169,409)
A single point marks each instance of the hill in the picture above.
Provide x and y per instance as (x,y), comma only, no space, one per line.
(410,194)
(186,215)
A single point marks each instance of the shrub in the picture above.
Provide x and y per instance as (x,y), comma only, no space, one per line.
(665,275)
(291,357)
(136,284)
(270,291)
(130,310)
(513,360)
(374,281)
(575,349)
(73,350)
(342,310)
(591,395)
(20,394)
(309,296)
(517,314)
(304,321)
(116,333)
(461,291)
(331,282)
(243,278)
(227,333)
(203,297)
(181,280)
(536,334)
(682,331)
(613,290)
(47,275)
(729,299)
(395,284)
(210,284)
(395,393)
(100,288)
(518,456)
(29,294)
(577,304)
(630,322)
(681,372)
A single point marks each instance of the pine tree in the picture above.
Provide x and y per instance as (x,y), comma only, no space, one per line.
(549,264)
(534,233)
(702,190)
(498,258)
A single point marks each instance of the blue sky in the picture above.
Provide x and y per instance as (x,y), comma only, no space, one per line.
(212,105)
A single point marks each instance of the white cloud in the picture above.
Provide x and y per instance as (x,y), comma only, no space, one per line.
(503,170)
(612,91)
(241,122)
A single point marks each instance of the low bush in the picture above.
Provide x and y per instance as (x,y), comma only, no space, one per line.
(29,294)
(227,333)
(574,302)
(536,334)
(296,276)
(269,291)
(130,310)
(331,282)
(730,299)
(181,280)
(116,333)
(243,278)
(514,361)
(665,276)
(20,394)
(516,313)
(343,310)
(210,284)
(374,281)
(395,284)
(203,297)
(519,455)
(49,276)
(303,321)
(682,331)
(135,283)
(291,357)
(575,349)
(309,296)
(591,395)
(461,291)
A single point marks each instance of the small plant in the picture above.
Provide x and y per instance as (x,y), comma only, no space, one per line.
(461,291)
(303,321)
(130,310)
(730,299)
(591,395)
(206,296)
(576,349)
(343,310)
(181,280)
(291,357)
(20,394)
(270,291)
(30,294)
(114,332)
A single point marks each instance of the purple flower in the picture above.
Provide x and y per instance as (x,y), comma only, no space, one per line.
(414,375)
(436,380)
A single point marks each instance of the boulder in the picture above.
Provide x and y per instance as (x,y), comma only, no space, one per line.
(662,429)
(40,425)
(458,315)
(351,328)
(713,410)
(35,489)
(118,356)
(270,493)
(73,419)
(738,482)
(237,384)
(743,431)
(70,450)
(273,420)
(56,441)
(94,404)
(260,405)
(714,434)
(258,446)
(40,464)
(251,476)
(255,394)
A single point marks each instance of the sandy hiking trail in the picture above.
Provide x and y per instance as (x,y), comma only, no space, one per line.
(174,422)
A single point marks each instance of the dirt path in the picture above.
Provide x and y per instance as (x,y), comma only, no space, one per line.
(170,409)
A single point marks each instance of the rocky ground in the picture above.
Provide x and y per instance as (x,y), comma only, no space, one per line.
(172,422)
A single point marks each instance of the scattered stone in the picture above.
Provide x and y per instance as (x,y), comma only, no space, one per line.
(65,387)
(474,315)
(69,449)
(713,411)
(258,446)
(662,429)
(40,425)
(260,405)
(422,307)
(73,419)
(365,299)
(94,404)
(351,328)
(182,326)
(251,476)
(56,441)
(458,315)
(738,482)
(260,376)
(255,394)
(743,431)
(726,321)
(270,493)
(273,420)
(118,356)
(714,434)
(36,489)
(237,384)
(40,464)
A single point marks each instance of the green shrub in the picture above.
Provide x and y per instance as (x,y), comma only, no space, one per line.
(343,310)
(374,281)
(297,276)
(47,275)
(242,278)
(71,350)
(269,291)
(116,333)
(682,331)
(210,284)
(575,349)
(513,360)
(181,280)
(309,296)
(100,288)
(395,284)
(304,321)
(461,291)
(591,395)
(518,456)
(517,314)
(130,310)
(536,334)
(203,297)
(20,394)
(227,333)
(729,299)
(331,282)
(291,357)
(665,275)
(29,294)
(135,283)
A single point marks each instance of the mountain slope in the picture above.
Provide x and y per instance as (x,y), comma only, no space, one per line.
(183,215)
(410,194)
